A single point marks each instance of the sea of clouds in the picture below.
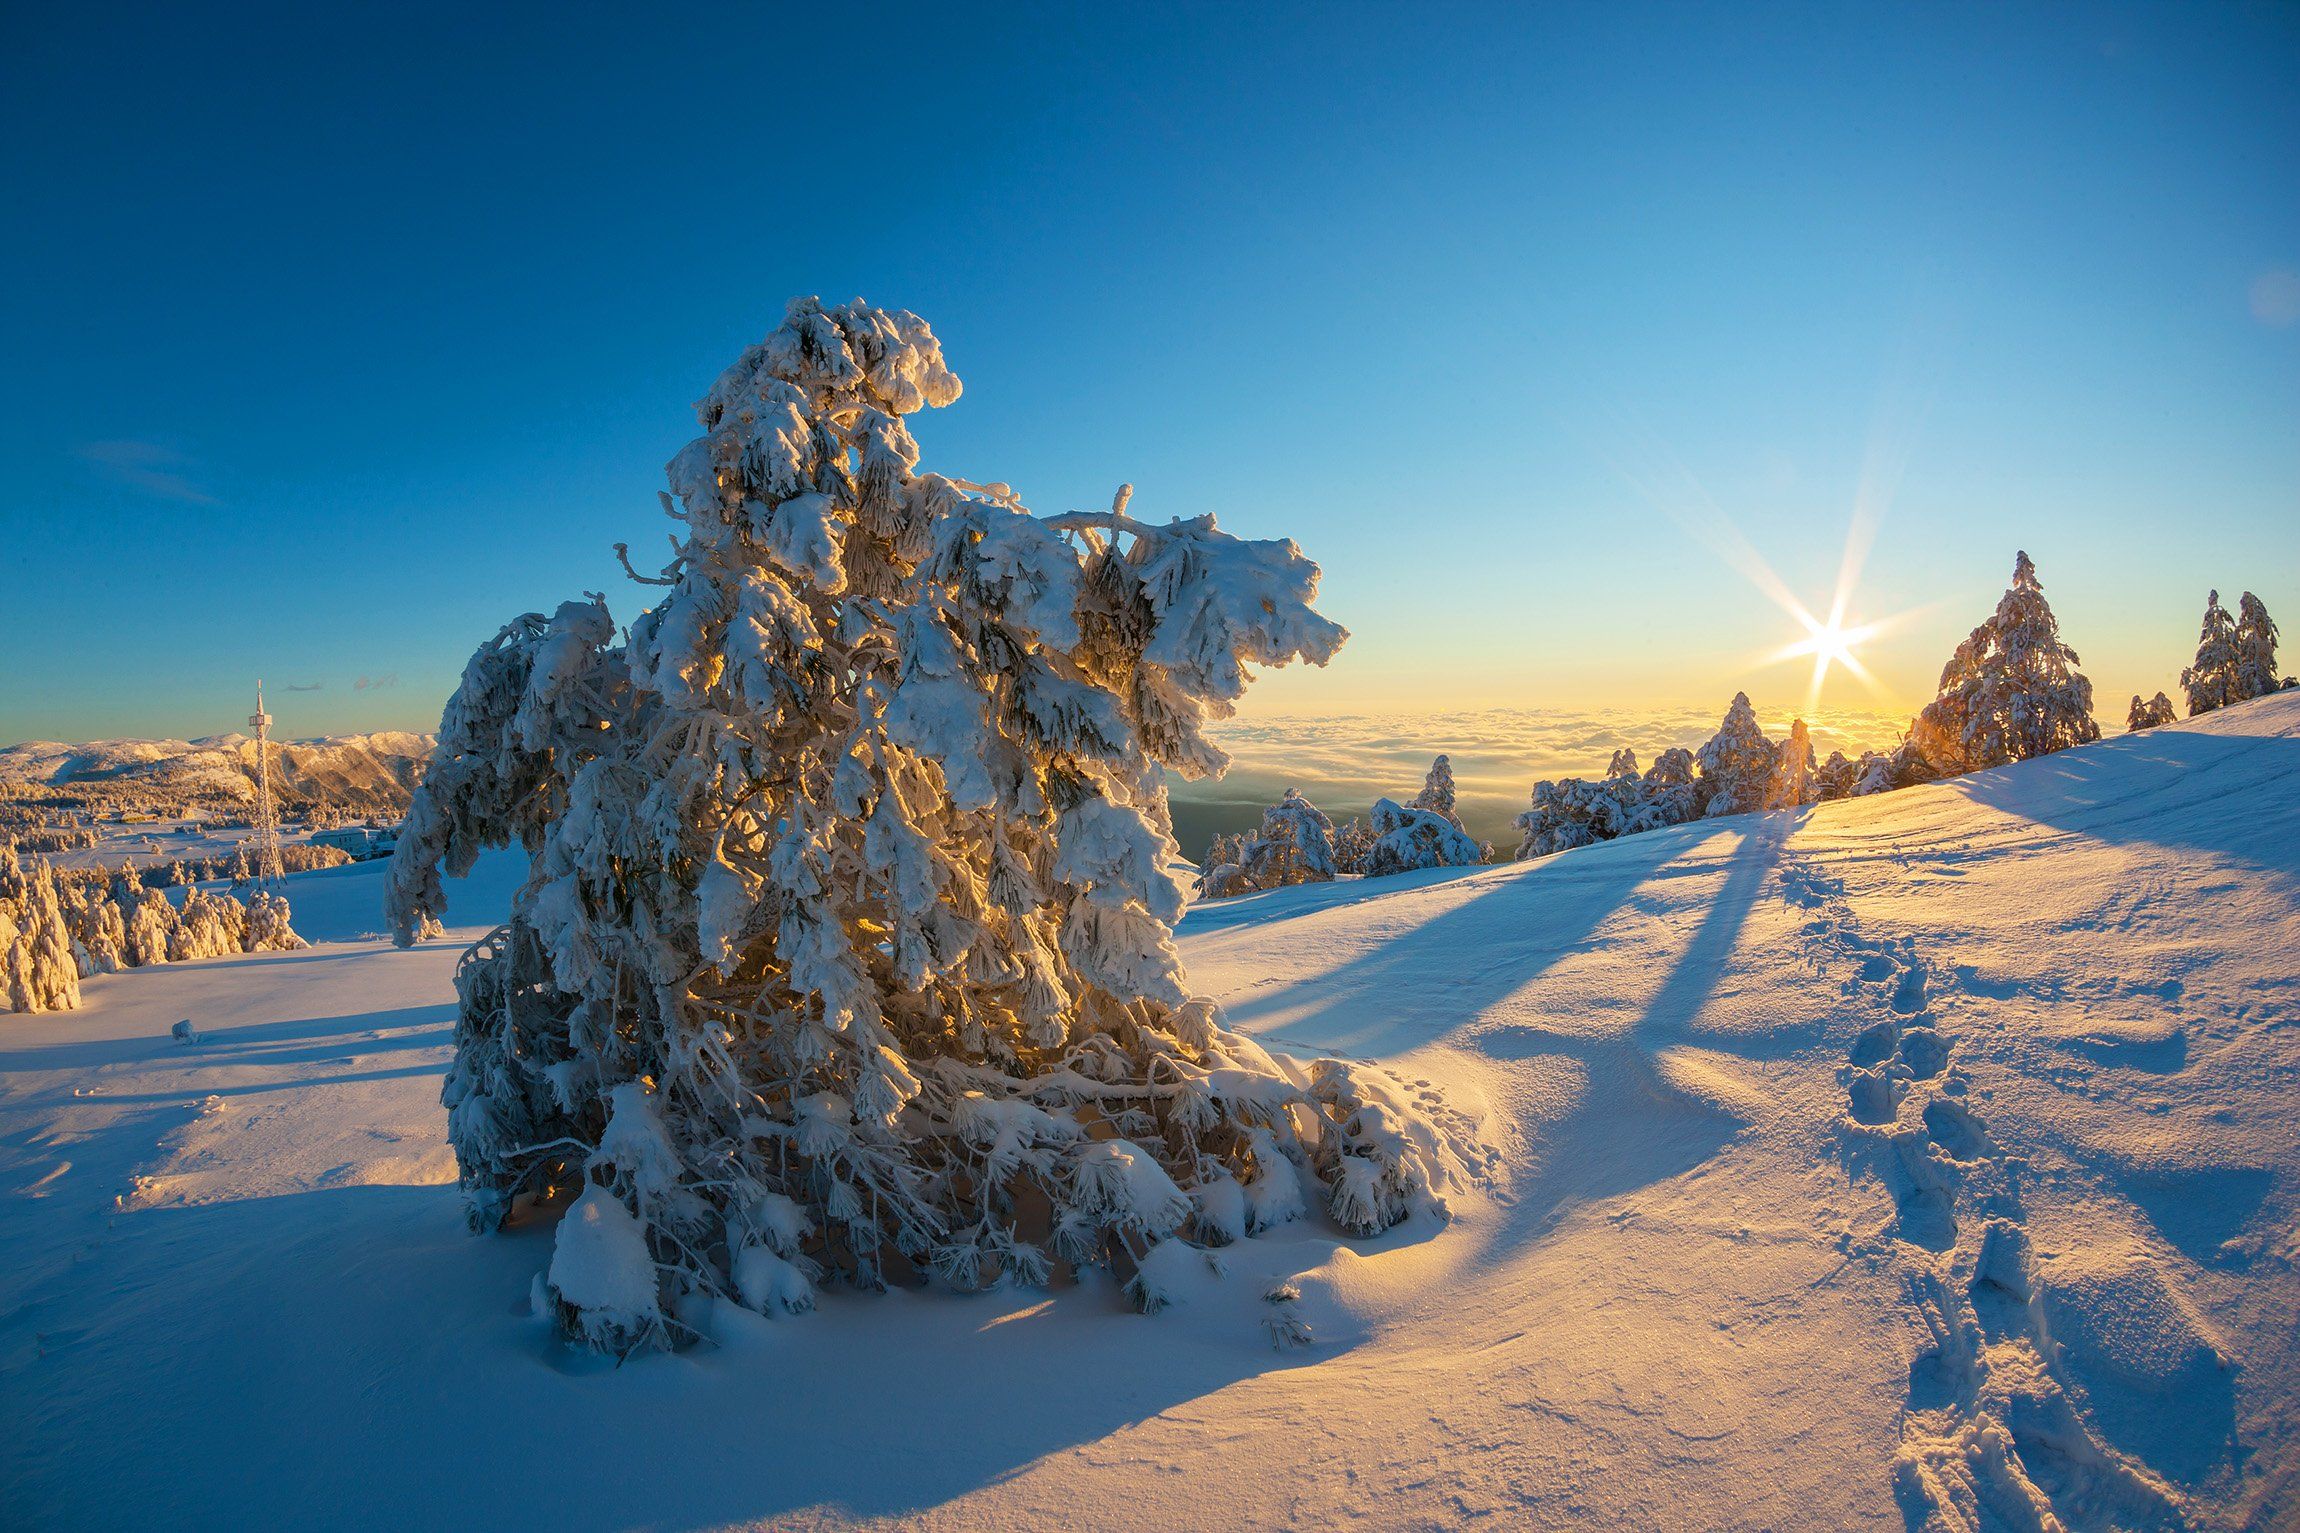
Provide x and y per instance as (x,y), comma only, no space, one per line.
(1343,763)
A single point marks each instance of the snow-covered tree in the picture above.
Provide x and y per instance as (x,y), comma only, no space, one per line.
(99,936)
(1835,777)
(146,917)
(1437,794)
(1904,766)
(208,926)
(2011,691)
(847,947)
(1405,839)
(1672,792)
(1737,762)
(267,929)
(1294,846)
(1795,779)
(2255,649)
(2211,681)
(38,971)
(1622,764)
(1352,843)
(2148,715)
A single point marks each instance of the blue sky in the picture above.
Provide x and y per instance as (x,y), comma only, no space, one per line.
(338,336)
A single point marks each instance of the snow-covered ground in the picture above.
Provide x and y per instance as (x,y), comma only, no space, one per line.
(1923,1155)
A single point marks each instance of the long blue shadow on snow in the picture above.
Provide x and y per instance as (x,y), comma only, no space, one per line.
(2234,796)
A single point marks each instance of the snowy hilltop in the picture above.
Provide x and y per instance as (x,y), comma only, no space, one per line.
(365,771)
(1914,1160)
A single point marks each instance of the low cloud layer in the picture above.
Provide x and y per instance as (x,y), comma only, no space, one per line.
(1498,754)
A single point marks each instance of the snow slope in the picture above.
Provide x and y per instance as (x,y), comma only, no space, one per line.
(1928,1156)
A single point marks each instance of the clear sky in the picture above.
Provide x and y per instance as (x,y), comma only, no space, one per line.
(337,335)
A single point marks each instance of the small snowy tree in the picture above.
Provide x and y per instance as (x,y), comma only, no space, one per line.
(1836,776)
(1437,794)
(1672,792)
(2011,691)
(1405,839)
(208,926)
(99,936)
(2148,715)
(1737,763)
(1623,764)
(2255,649)
(1352,843)
(847,947)
(1795,778)
(2210,681)
(1904,766)
(146,918)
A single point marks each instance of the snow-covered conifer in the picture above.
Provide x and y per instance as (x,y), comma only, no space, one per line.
(266,928)
(208,926)
(2255,649)
(1405,839)
(146,916)
(850,889)
(1351,844)
(1437,794)
(1795,778)
(1737,762)
(2148,715)
(1623,764)
(2210,681)
(2011,690)
(99,936)
(1672,792)
(1904,766)
(38,971)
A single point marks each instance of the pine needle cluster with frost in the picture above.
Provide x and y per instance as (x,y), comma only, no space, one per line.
(847,946)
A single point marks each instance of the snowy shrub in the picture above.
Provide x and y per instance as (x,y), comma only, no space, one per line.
(1737,763)
(146,918)
(99,936)
(1904,766)
(1405,839)
(849,889)
(1576,812)
(2156,711)
(2011,691)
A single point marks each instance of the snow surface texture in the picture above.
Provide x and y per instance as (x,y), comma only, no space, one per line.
(2045,1263)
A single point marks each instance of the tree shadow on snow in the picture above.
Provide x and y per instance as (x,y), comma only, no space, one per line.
(2228,795)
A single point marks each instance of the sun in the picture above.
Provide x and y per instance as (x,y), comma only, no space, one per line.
(1830,641)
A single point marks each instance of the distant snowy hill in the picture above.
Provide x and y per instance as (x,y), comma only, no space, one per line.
(220,769)
(1917,1161)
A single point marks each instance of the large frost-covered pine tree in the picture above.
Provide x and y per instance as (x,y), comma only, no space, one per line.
(2210,681)
(847,944)
(2011,691)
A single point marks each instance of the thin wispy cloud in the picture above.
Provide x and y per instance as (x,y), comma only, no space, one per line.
(376,683)
(149,467)
(303,686)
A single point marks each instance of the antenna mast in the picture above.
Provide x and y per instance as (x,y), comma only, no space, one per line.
(265,826)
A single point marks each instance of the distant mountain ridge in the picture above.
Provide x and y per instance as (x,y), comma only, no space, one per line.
(382,767)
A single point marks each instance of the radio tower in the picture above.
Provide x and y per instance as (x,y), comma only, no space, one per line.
(265,827)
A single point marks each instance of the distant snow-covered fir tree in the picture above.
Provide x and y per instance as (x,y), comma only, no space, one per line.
(1352,843)
(1737,762)
(1437,794)
(847,947)
(2210,681)
(1623,764)
(1406,838)
(2012,689)
(2148,715)
(2255,649)
(1795,778)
